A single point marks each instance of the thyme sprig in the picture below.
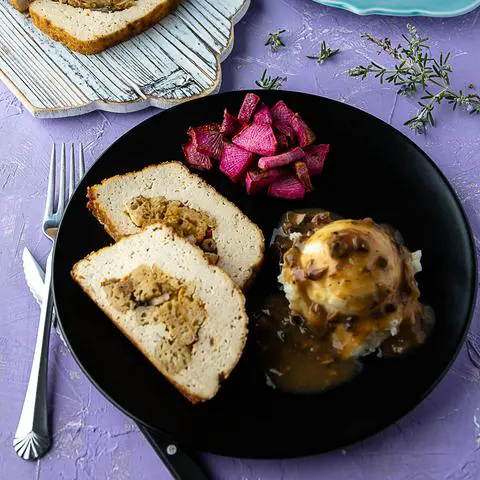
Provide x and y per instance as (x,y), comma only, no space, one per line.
(325,53)
(275,40)
(270,83)
(416,69)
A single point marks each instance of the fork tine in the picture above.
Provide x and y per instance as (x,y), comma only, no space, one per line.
(71,172)
(51,185)
(61,187)
(82,162)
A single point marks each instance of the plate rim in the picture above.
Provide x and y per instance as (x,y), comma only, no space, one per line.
(351,6)
(404,411)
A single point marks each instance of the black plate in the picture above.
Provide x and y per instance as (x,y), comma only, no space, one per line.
(373,170)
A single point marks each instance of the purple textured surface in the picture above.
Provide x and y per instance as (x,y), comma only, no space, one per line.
(440,439)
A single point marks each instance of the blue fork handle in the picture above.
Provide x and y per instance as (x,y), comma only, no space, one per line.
(180,464)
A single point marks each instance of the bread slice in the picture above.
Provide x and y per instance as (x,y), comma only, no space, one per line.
(91,31)
(240,242)
(222,335)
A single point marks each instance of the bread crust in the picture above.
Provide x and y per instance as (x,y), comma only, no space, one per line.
(190,397)
(98,212)
(135,27)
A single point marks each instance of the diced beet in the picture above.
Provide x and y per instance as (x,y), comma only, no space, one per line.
(230,124)
(257,138)
(282,141)
(258,181)
(281,113)
(235,161)
(266,163)
(289,187)
(315,156)
(301,170)
(287,130)
(304,134)
(208,140)
(263,115)
(282,121)
(194,158)
(249,105)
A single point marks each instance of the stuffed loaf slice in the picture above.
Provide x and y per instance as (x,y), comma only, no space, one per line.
(169,193)
(185,315)
(90,26)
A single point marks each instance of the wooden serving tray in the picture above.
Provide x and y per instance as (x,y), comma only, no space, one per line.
(176,60)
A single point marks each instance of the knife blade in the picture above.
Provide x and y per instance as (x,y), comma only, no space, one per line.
(34,275)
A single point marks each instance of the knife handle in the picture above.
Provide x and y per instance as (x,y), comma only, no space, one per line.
(32,438)
(179,463)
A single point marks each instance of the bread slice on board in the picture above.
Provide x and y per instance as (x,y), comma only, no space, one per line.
(221,336)
(240,242)
(91,31)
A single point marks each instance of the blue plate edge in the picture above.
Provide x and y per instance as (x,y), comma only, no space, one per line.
(399,12)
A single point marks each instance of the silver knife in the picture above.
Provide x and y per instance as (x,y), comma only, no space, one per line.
(34,276)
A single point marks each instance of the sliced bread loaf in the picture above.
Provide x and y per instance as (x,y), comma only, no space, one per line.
(93,30)
(239,242)
(219,337)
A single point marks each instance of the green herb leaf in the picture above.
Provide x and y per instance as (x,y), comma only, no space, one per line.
(270,83)
(275,40)
(325,53)
(417,68)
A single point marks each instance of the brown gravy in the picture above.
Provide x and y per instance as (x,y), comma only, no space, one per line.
(293,358)
(297,359)
(410,335)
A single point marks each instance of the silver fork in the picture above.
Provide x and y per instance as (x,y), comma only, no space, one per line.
(32,438)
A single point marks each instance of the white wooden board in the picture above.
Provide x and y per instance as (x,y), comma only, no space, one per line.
(176,60)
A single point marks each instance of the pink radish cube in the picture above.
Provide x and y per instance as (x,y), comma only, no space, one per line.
(257,138)
(249,105)
(290,188)
(315,156)
(194,158)
(230,124)
(258,181)
(208,140)
(266,163)
(304,134)
(263,115)
(235,161)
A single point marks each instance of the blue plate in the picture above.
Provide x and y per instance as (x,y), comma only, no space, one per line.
(406,8)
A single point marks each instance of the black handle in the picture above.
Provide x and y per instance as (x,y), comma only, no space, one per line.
(180,464)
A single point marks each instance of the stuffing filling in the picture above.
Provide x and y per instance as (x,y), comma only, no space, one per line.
(107,6)
(195,225)
(156,297)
